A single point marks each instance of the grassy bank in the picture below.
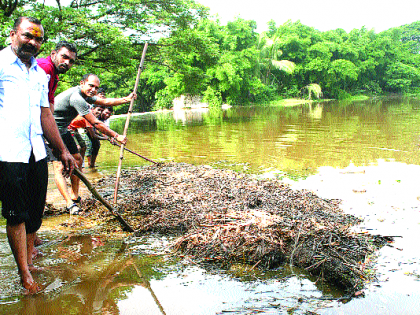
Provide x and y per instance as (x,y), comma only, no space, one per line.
(287,102)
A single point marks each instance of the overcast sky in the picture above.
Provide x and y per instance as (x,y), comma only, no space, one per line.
(320,14)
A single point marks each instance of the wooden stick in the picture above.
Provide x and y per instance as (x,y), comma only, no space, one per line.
(131,151)
(95,193)
(127,122)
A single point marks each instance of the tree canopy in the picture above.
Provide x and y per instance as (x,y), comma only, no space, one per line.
(189,53)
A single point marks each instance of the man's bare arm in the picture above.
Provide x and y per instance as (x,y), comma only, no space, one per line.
(95,122)
(100,136)
(91,133)
(115,101)
(52,134)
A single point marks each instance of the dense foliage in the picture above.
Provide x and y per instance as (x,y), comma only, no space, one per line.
(192,54)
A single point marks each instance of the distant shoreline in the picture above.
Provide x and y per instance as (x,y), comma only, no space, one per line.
(284,102)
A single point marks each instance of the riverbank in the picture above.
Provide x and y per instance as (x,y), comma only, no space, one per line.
(289,102)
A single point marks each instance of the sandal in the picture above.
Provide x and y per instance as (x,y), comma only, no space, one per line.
(74,209)
(78,200)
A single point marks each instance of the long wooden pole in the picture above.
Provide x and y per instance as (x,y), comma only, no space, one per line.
(127,122)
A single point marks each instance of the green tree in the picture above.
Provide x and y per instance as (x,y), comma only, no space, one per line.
(210,59)
(269,59)
(400,78)
(110,34)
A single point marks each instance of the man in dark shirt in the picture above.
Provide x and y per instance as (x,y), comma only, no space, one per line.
(70,103)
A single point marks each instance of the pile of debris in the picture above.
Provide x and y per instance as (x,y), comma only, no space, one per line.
(226,217)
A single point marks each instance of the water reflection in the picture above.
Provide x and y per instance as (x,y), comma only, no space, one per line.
(295,140)
(386,196)
(188,116)
(86,274)
(82,274)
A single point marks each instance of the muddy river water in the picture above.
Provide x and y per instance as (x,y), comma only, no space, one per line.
(365,153)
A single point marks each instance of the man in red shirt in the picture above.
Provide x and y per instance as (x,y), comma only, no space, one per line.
(62,58)
(83,131)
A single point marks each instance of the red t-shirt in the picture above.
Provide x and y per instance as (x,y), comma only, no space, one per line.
(79,122)
(47,65)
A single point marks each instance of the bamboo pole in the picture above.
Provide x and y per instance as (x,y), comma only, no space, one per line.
(127,122)
(95,193)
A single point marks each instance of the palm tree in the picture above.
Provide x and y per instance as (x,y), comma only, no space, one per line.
(270,53)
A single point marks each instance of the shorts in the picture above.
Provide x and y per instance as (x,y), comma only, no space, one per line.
(86,139)
(23,190)
(50,155)
(69,142)
(93,145)
(78,137)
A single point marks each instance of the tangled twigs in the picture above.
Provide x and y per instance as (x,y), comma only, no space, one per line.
(226,217)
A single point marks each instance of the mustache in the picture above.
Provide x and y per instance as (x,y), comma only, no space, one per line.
(27,48)
(62,68)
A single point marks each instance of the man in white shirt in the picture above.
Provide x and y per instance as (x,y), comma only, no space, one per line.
(24,117)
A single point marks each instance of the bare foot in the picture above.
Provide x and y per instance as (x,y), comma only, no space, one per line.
(29,285)
(32,268)
(32,288)
(38,241)
(36,253)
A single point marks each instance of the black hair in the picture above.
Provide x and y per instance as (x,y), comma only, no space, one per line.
(70,46)
(19,20)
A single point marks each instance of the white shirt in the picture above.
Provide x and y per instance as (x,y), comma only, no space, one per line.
(22,94)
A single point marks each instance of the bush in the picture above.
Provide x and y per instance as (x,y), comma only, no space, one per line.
(212,97)
(163,100)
